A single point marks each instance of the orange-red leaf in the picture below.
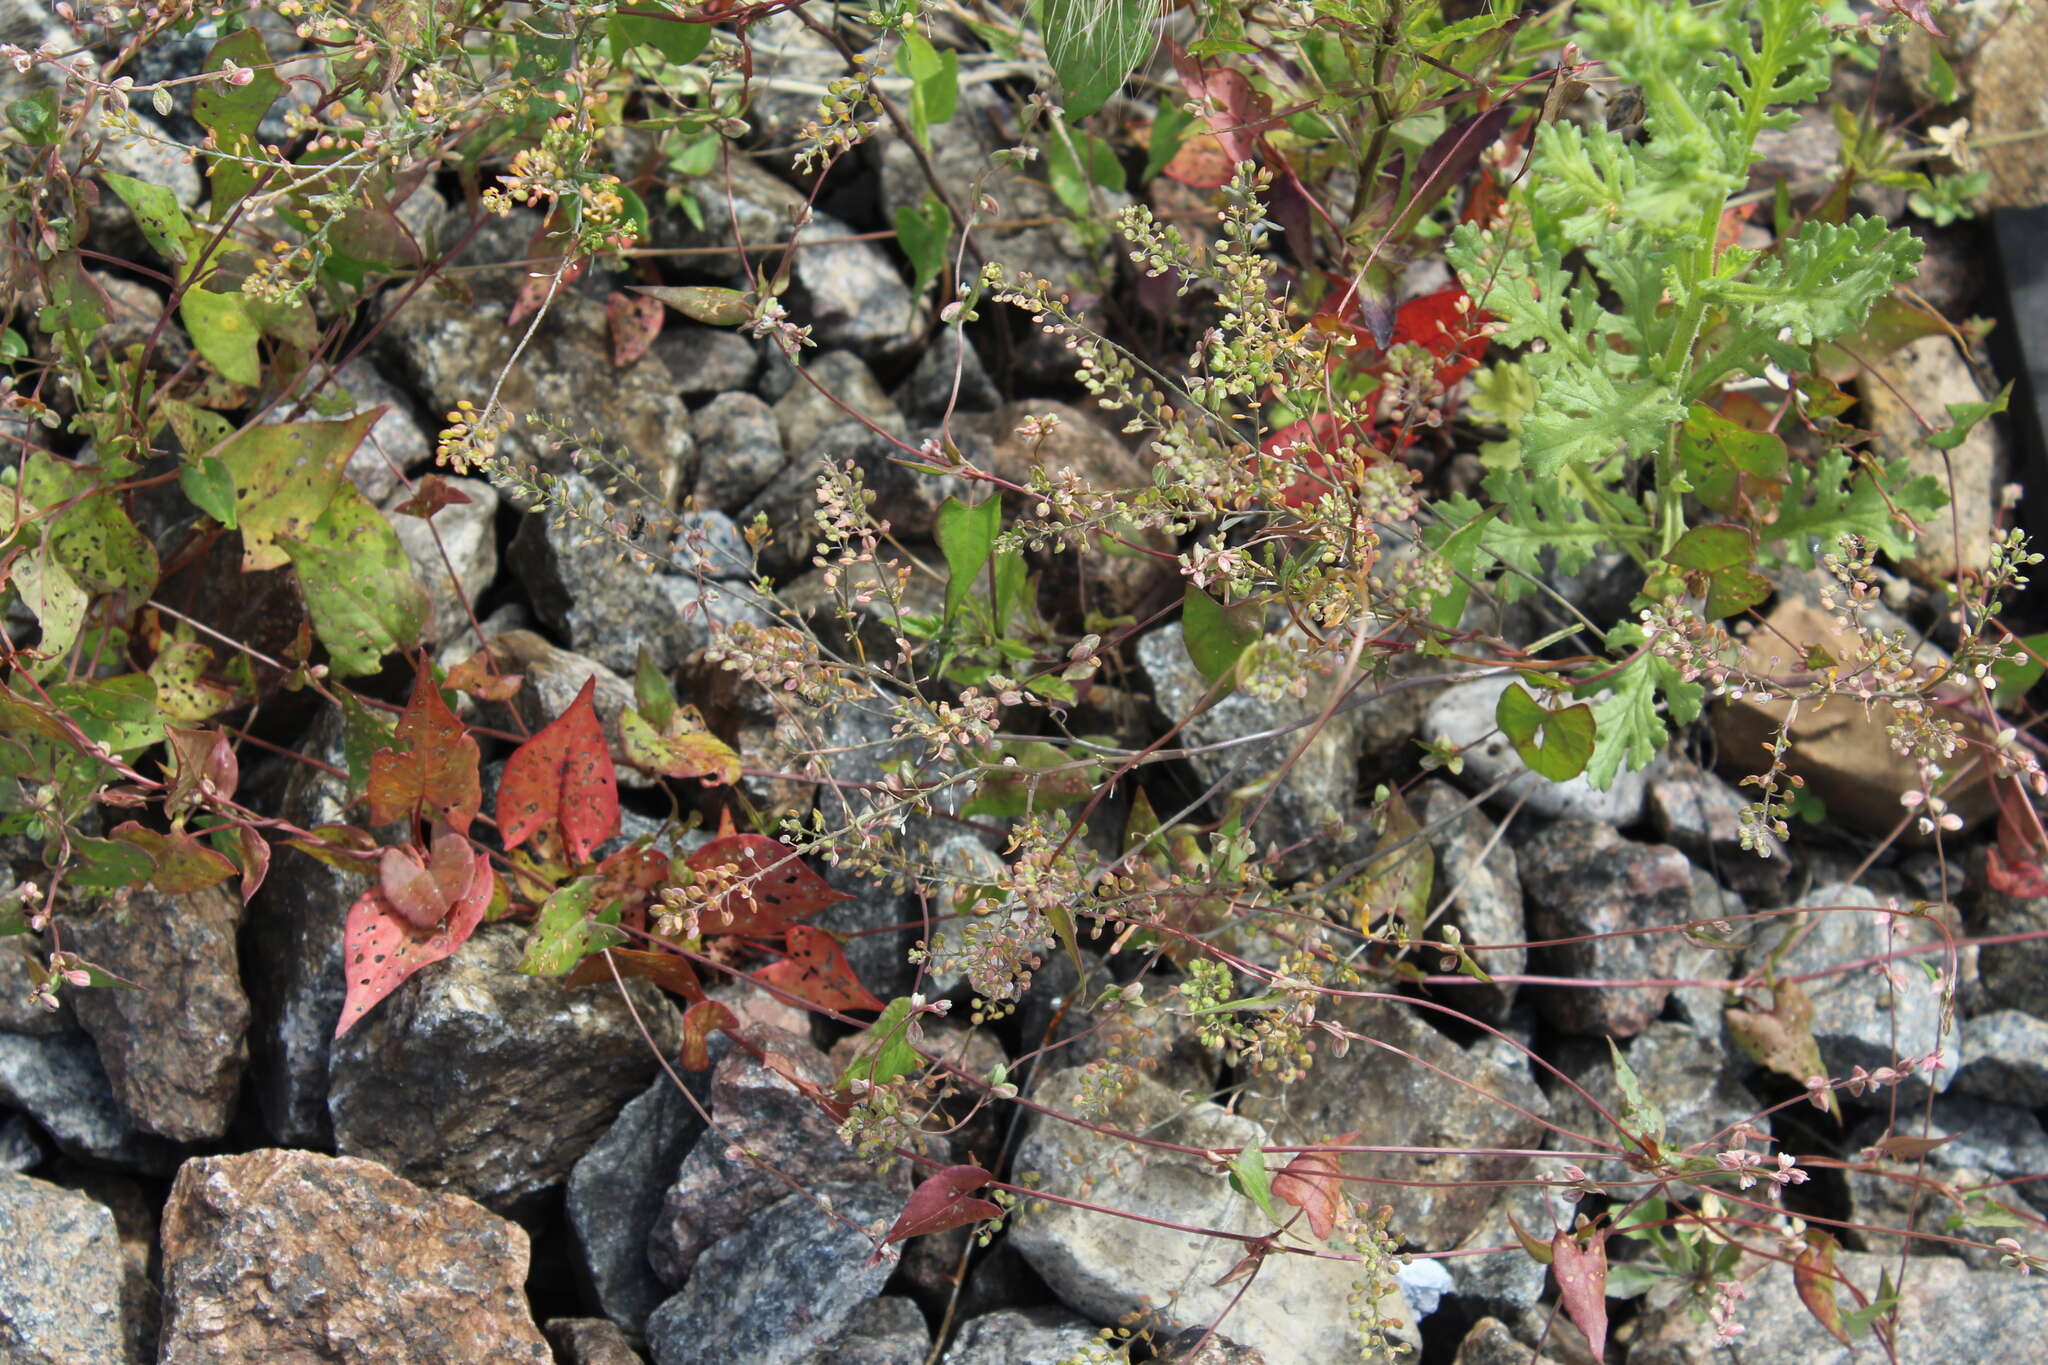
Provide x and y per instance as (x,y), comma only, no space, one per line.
(635,321)
(1581,1270)
(814,969)
(1312,1183)
(943,1201)
(478,676)
(699,1022)
(1200,163)
(424,892)
(380,950)
(183,864)
(563,774)
(432,494)
(432,764)
(666,970)
(779,888)
(1813,1276)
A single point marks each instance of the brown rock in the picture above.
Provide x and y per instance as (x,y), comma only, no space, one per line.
(68,1296)
(287,1256)
(1838,747)
(590,1341)
(2009,105)
(1585,882)
(174,1050)
(1920,380)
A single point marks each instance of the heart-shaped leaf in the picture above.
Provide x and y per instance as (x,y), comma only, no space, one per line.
(380,950)
(1312,1183)
(424,892)
(431,766)
(563,774)
(1554,744)
(943,1201)
(778,889)
(814,969)
(1581,1271)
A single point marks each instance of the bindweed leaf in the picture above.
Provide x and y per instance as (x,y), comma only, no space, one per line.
(381,950)
(814,969)
(563,775)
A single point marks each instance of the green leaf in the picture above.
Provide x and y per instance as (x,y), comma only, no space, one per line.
(652,696)
(1248,1176)
(711,305)
(1826,502)
(232,113)
(363,732)
(1554,744)
(934,82)
(284,476)
(107,865)
(1630,730)
(1215,635)
(564,933)
(120,713)
(924,230)
(223,332)
(1093,46)
(1073,170)
(46,587)
(163,223)
(211,486)
(1396,881)
(358,584)
(1964,417)
(1042,777)
(1169,130)
(1722,553)
(1724,460)
(885,1051)
(2015,680)
(1644,1120)
(676,41)
(35,117)
(967,537)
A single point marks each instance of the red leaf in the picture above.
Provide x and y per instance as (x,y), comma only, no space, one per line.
(635,321)
(814,969)
(380,950)
(2021,878)
(779,888)
(432,764)
(699,1021)
(1448,327)
(941,1202)
(563,774)
(478,676)
(666,970)
(539,283)
(1813,1276)
(432,494)
(1582,1283)
(1199,163)
(629,877)
(183,864)
(424,892)
(1240,113)
(1312,1183)
(255,861)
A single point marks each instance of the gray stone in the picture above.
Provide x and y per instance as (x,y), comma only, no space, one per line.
(907,499)
(607,603)
(792,1143)
(1510,1281)
(476,1078)
(928,394)
(706,361)
(58,1080)
(1583,879)
(840,388)
(740,449)
(2005,1059)
(1463,714)
(782,1285)
(67,1294)
(450,348)
(883,1331)
(396,441)
(2008,105)
(1699,815)
(1423,1285)
(2001,1140)
(1870,1016)
(1950,1315)
(2014,975)
(175,1048)
(709,545)
(1680,1071)
(292,1256)
(1021,1336)
(1479,879)
(468,534)
(20,1148)
(614,1196)
(1407,1085)
(1317,792)
(1298,1309)
(1206,1346)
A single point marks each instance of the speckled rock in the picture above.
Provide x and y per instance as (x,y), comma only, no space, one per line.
(1582,878)
(278,1255)
(614,1196)
(740,449)
(467,533)
(1478,875)
(67,1294)
(589,1341)
(2005,1058)
(1020,1336)
(58,1079)
(804,412)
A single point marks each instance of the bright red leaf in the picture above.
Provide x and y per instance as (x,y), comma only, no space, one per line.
(778,891)
(423,892)
(431,766)
(814,969)
(563,774)
(432,494)
(942,1202)
(1312,1183)
(1581,1271)
(380,950)
(700,1021)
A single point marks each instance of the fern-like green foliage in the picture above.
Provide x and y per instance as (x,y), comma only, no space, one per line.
(1612,278)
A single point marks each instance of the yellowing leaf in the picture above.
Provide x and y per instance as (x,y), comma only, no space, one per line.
(357,583)
(285,475)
